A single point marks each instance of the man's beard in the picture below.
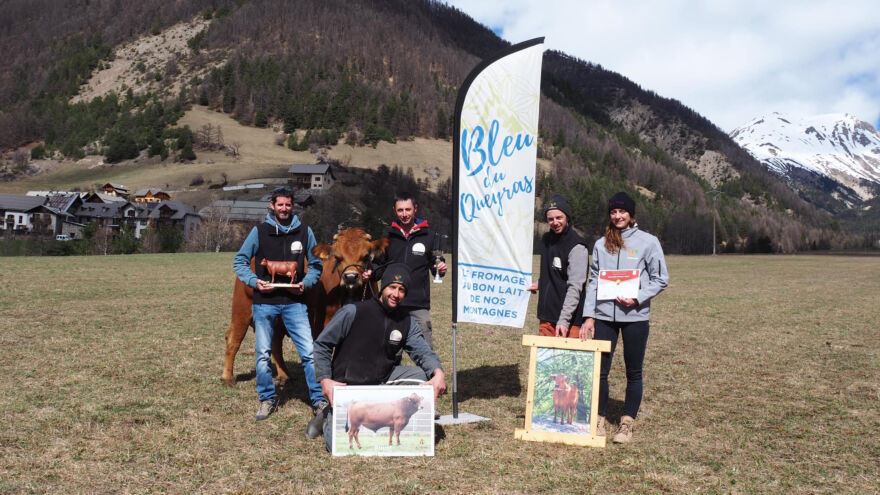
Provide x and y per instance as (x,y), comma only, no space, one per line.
(284,221)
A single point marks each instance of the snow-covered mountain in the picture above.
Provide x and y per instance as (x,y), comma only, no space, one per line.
(836,146)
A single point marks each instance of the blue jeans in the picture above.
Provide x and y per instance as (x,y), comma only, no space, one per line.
(296,319)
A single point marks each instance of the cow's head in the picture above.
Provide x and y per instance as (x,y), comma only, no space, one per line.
(560,379)
(349,255)
(412,403)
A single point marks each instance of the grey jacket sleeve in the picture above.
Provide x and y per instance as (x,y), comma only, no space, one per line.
(334,333)
(592,287)
(419,350)
(658,276)
(578,258)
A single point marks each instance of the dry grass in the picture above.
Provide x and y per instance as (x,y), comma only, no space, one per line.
(259,158)
(761,376)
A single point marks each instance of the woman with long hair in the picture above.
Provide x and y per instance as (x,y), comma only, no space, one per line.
(624,247)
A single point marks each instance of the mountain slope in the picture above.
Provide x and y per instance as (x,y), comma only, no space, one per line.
(838,147)
(364,71)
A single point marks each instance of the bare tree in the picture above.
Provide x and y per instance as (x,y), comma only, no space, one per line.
(234,149)
(215,230)
(41,229)
(20,160)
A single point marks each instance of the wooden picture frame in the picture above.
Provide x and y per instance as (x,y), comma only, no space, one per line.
(564,382)
(370,431)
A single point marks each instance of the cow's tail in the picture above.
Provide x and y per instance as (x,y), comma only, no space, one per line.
(346,424)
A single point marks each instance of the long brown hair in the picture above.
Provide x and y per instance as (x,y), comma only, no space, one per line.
(613,239)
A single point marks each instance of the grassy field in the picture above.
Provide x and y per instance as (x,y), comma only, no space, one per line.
(762,376)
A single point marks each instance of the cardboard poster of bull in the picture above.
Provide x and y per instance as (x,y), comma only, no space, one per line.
(563,390)
(383,420)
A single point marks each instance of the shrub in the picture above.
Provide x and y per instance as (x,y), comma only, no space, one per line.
(38,153)
(261,119)
(187,152)
(120,146)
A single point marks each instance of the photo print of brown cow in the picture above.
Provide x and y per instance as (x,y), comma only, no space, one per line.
(563,389)
(383,420)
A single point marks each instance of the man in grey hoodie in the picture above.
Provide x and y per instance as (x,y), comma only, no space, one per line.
(564,260)
(282,237)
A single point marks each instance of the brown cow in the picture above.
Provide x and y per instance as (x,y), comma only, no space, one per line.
(376,415)
(283,268)
(340,281)
(565,398)
(344,263)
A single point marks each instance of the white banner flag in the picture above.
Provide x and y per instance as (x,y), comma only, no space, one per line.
(494,179)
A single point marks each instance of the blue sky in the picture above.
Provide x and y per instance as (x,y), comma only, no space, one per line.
(731,61)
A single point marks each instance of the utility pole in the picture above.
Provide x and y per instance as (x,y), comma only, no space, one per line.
(714,193)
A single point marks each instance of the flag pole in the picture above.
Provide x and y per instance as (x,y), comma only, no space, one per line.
(456,165)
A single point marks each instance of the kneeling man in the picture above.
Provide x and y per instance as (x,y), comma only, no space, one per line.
(366,337)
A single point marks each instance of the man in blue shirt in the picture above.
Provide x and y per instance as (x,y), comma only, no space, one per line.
(282,237)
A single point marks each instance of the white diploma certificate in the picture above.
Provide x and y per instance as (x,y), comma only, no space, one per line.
(618,283)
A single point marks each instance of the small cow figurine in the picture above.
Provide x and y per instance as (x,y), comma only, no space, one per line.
(565,398)
(375,415)
(284,268)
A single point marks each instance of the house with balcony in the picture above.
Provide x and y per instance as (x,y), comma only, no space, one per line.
(316,177)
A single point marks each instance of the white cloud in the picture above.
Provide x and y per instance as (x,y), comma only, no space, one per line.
(730,61)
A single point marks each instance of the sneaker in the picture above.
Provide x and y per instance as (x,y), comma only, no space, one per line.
(316,425)
(600,426)
(625,432)
(267,407)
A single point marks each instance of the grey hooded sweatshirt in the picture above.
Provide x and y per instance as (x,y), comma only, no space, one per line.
(640,250)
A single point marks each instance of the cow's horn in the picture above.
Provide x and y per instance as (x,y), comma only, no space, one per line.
(369,237)
(335,236)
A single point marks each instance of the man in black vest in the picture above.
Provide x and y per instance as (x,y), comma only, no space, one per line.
(361,343)
(412,243)
(564,262)
(282,237)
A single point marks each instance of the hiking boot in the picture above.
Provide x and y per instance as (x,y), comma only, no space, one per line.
(600,426)
(267,407)
(316,425)
(625,432)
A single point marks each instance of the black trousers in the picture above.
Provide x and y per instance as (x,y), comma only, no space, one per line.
(635,340)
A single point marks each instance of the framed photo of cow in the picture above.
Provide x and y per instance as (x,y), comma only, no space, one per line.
(563,390)
(383,420)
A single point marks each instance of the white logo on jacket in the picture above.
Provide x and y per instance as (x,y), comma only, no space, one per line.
(296,247)
(395,337)
(418,249)
(557,263)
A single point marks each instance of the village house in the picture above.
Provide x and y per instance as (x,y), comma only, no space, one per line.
(69,213)
(174,214)
(316,176)
(30,214)
(101,197)
(115,190)
(140,216)
(151,196)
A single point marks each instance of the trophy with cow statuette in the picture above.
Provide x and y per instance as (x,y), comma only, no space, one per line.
(280,268)
(285,269)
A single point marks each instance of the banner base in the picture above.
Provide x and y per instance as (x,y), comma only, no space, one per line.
(463,418)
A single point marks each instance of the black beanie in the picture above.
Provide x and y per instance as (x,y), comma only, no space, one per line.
(558,202)
(622,201)
(396,273)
